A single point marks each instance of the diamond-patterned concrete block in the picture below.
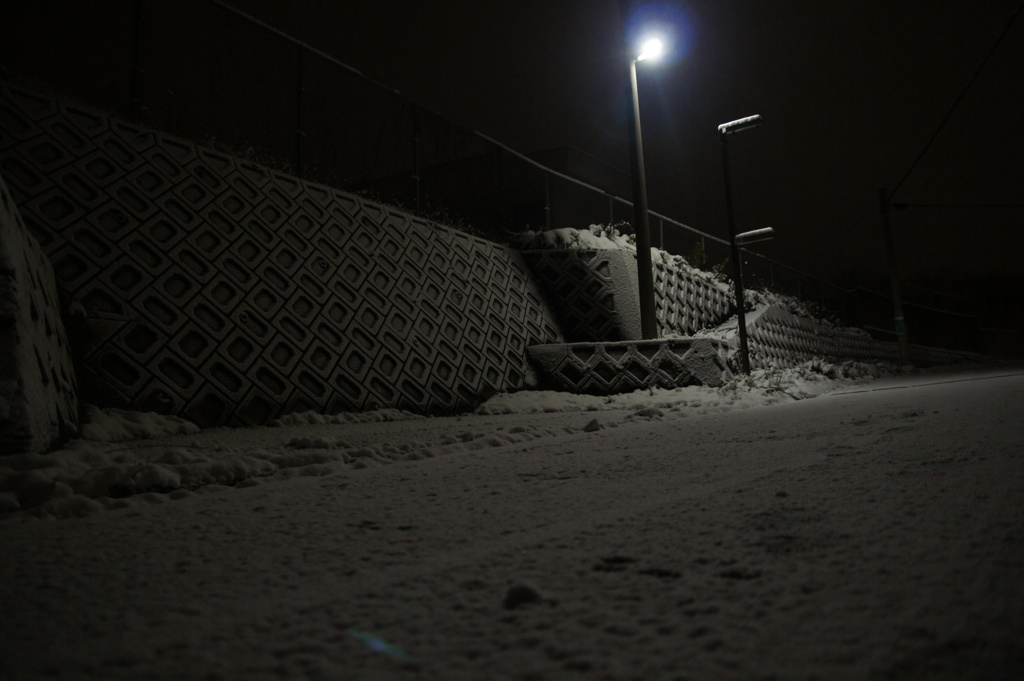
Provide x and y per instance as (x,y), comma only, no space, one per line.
(688,302)
(626,366)
(593,292)
(778,338)
(705,360)
(231,293)
(38,394)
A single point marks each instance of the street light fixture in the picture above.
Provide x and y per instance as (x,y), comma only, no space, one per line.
(755,236)
(650,51)
(724,130)
(740,124)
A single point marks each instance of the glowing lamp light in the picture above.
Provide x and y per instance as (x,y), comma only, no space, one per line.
(651,49)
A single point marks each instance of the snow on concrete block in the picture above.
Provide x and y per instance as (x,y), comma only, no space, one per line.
(704,361)
(38,397)
(779,339)
(595,294)
(688,300)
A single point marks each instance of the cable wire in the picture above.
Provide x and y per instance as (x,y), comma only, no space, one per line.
(959,98)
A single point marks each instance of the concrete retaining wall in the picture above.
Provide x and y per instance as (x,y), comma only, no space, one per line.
(228,293)
(224,292)
(780,339)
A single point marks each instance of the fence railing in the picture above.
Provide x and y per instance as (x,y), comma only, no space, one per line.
(207,71)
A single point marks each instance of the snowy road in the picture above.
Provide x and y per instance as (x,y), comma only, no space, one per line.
(873,533)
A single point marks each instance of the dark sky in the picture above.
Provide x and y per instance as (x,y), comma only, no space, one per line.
(850,91)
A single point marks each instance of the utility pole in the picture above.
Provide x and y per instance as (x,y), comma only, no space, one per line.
(897,298)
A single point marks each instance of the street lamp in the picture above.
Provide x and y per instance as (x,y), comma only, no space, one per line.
(755,236)
(724,130)
(650,50)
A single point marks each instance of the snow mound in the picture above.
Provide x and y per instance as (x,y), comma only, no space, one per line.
(760,388)
(91,475)
(810,379)
(608,237)
(117,425)
(313,418)
(596,237)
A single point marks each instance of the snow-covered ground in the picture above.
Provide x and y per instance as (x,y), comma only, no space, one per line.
(117,461)
(873,532)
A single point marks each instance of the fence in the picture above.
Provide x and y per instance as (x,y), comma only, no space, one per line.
(206,71)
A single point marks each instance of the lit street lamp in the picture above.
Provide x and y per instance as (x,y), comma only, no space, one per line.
(724,130)
(650,50)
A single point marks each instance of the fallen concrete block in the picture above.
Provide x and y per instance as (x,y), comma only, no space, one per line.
(38,395)
(705,361)
(626,366)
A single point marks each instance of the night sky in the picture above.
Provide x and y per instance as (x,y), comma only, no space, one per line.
(850,91)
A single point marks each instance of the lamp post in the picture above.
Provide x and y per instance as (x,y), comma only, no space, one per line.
(724,130)
(645,269)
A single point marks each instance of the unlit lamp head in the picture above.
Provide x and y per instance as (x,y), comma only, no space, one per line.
(754,236)
(739,124)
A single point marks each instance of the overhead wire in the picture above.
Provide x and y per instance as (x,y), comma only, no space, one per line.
(959,98)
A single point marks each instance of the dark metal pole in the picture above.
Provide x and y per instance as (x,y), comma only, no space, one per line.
(134,101)
(300,134)
(897,296)
(737,265)
(499,170)
(641,224)
(416,158)
(547,201)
